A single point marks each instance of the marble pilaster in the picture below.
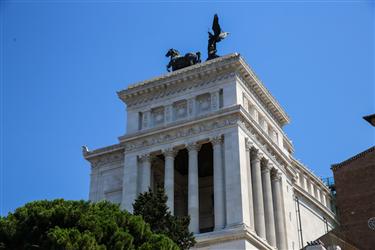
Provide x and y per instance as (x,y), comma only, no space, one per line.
(268,204)
(219,203)
(279,211)
(250,188)
(169,155)
(193,187)
(259,221)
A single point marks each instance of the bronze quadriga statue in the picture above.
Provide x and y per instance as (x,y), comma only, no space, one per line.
(178,61)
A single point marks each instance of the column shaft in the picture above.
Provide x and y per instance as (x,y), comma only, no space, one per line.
(258,195)
(250,188)
(219,206)
(169,178)
(145,173)
(279,212)
(193,192)
(268,206)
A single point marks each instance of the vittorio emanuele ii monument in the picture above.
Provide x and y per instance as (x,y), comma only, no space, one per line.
(212,135)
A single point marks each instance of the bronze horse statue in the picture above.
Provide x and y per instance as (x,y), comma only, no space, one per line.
(178,61)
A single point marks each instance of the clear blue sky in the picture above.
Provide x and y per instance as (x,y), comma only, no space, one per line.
(62,63)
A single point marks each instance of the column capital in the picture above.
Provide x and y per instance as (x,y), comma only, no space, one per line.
(145,158)
(276,176)
(248,144)
(267,167)
(217,140)
(169,152)
(256,155)
(191,147)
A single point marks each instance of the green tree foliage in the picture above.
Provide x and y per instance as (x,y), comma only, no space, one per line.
(154,210)
(69,225)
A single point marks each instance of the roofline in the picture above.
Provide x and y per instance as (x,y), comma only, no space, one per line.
(351,159)
(312,175)
(89,154)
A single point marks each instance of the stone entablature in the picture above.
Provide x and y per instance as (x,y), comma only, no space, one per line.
(159,89)
(191,99)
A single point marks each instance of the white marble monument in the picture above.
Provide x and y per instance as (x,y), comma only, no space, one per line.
(212,135)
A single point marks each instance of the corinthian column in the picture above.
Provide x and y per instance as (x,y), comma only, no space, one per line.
(279,211)
(169,155)
(219,208)
(268,206)
(145,173)
(250,188)
(259,221)
(193,192)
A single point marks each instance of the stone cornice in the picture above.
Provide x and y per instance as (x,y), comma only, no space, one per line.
(308,196)
(91,154)
(311,175)
(229,63)
(270,102)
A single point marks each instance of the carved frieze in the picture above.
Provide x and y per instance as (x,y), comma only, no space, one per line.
(204,103)
(157,116)
(180,110)
(215,102)
(107,159)
(168,113)
(182,132)
(173,90)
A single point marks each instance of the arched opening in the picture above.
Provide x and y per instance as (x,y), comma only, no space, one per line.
(157,172)
(181,183)
(206,191)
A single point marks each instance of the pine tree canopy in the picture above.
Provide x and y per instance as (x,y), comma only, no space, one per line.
(152,206)
(71,225)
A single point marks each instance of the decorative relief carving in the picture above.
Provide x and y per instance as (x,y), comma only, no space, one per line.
(158,116)
(276,176)
(180,110)
(267,167)
(245,102)
(170,152)
(204,103)
(107,159)
(182,132)
(145,158)
(191,103)
(217,140)
(195,147)
(172,90)
(215,100)
(256,155)
(168,113)
(145,119)
(248,144)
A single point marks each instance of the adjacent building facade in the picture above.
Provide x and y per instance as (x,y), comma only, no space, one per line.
(355,196)
(212,135)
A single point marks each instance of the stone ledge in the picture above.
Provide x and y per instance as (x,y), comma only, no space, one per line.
(316,203)
(231,234)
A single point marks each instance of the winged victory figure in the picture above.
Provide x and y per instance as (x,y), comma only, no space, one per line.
(215,38)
